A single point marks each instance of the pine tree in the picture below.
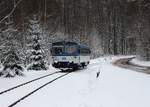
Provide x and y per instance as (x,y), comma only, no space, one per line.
(11,60)
(12,65)
(37,53)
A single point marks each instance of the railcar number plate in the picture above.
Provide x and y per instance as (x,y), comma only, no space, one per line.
(63,58)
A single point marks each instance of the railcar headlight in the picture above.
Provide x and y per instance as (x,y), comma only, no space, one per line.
(55,61)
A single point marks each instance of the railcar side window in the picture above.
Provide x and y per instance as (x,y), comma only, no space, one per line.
(84,51)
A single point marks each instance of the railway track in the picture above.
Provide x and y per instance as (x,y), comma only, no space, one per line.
(37,89)
(26,89)
(20,85)
(126,63)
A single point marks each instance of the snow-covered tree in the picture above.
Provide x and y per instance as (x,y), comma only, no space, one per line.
(12,65)
(95,45)
(9,52)
(37,57)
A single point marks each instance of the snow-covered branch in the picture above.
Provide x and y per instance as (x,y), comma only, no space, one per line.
(9,14)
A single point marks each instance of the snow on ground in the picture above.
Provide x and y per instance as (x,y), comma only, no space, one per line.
(115,87)
(140,63)
(7,83)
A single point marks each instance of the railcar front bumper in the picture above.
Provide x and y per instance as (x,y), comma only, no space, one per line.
(64,65)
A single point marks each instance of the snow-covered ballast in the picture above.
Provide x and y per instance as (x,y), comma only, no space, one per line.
(66,54)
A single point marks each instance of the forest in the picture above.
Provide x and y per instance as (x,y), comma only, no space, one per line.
(109,27)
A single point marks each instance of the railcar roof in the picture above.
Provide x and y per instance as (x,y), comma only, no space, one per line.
(65,43)
(69,43)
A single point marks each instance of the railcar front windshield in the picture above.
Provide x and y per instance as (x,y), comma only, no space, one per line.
(70,49)
(57,50)
(64,48)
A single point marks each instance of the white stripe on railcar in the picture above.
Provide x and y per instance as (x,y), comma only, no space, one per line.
(74,59)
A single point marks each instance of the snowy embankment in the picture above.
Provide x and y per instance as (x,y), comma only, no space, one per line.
(140,63)
(115,87)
